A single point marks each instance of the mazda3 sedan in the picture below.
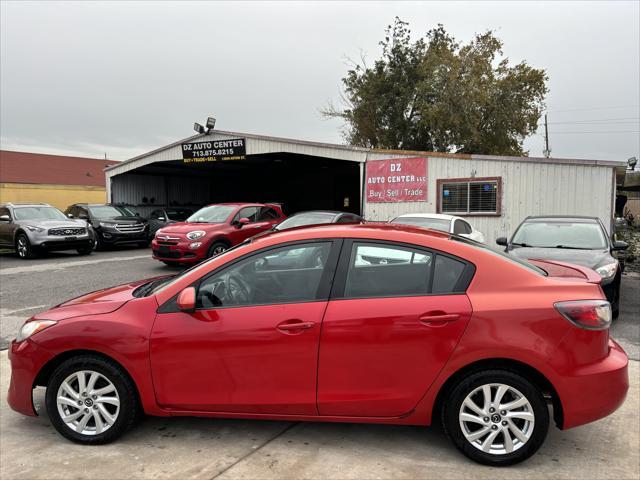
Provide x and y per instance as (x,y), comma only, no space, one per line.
(363,323)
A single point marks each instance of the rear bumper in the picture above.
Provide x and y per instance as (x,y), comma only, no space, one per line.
(597,390)
(27,359)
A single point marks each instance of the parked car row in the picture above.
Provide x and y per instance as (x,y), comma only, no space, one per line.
(181,236)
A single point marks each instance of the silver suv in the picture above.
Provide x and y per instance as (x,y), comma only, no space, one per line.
(30,227)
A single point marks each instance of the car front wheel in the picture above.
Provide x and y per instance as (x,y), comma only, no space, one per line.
(91,400)
(24,249)
(217,248)
(496,417)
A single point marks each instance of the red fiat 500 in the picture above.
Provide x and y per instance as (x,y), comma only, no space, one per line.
(212,230)
(381,324)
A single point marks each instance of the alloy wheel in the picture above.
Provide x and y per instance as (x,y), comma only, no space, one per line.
(497,419)
(23,248)
(88,402)
(219,249)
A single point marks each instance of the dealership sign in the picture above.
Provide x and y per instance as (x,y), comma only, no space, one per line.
(396,180)
(214,150)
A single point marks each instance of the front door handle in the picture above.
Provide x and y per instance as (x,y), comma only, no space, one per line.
(438,319)
(294,326)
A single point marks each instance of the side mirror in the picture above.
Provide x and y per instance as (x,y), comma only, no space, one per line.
(162,219)
(187,300)
(502,241)
(242,222)
(70,215)
(5,218)
(620,245)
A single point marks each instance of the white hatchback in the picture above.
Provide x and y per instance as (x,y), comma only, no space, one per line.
(444,223)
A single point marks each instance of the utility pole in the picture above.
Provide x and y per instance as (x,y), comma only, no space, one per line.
(546,152)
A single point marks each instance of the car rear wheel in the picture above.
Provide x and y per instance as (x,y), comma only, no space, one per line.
(91,400)
(217,248)
(496,417)
(24,249)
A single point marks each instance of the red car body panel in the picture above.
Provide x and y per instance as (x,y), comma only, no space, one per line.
(363,360)
(373,360)
(173,236)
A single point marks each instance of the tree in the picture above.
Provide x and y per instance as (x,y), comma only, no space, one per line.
(437,95)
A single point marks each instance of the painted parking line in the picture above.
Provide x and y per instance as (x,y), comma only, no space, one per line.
(60,266)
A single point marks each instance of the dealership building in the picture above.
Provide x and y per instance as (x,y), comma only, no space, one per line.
(495,193)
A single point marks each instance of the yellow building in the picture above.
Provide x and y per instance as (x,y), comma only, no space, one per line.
(54,179)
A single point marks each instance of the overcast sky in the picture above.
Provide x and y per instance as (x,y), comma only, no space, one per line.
(124,78)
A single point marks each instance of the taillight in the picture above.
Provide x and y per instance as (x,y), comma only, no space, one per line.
(587,314)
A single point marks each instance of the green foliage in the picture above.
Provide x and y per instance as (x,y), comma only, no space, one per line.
(437,95)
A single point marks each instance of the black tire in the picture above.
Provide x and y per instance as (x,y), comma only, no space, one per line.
(100,245)
(615,305)
(216,249)
(24,249)
(453,429)
(129,409)
(169,264)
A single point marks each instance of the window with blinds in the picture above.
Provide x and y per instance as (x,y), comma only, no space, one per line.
(475,196)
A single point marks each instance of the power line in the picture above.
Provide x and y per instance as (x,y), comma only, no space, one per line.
(603,121)
(595,108)
(611,131)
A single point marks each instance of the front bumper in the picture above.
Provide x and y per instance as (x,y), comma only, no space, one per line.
(27,359)
(114,237)
(45,241)
(596,390)
(180,252)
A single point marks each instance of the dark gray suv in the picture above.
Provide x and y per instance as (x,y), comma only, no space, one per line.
(32,227)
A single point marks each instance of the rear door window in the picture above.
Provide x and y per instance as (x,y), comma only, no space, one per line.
(380,270)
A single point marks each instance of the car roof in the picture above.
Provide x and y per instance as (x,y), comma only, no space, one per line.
(328,212)
(561,218)
(24,204)
(428,215)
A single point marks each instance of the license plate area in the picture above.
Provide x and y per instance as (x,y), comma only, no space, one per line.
(164,249)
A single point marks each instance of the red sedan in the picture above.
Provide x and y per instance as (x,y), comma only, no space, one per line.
(212,230)
(380,324)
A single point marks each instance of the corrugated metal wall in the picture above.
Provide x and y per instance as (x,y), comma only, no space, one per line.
(528,188)
(132,189)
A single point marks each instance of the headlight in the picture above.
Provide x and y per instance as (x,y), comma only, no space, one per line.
(33,327)
(196,234)
(107,225)
(607,271)
(32,228)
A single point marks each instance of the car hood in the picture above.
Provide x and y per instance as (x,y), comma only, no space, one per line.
(586,258)
(186,227)
(55,223)
(95,303)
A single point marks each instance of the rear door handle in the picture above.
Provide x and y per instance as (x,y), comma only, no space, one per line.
(295,326)
(438,319)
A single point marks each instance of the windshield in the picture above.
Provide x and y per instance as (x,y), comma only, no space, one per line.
(110,211)
(179,215)
(588,236)
(38,213)
(212,214)
(442,224)
(302,219)
(518,261)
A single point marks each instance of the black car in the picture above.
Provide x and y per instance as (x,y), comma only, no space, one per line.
(164,216)
(580,240)
(113,224)
(317,217)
